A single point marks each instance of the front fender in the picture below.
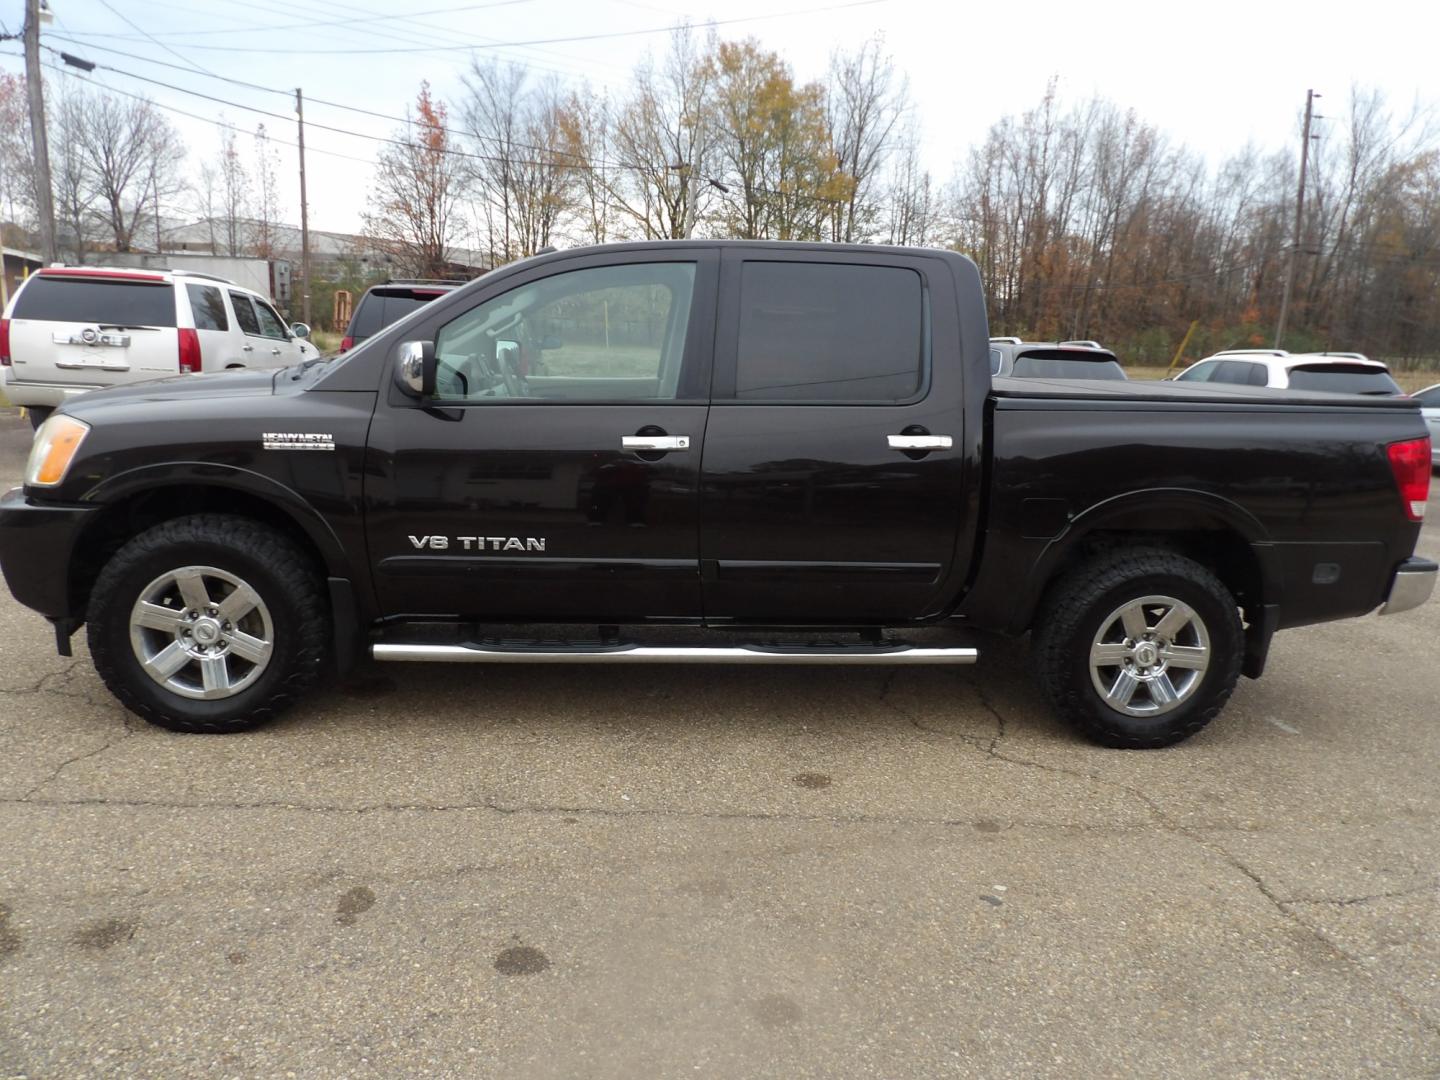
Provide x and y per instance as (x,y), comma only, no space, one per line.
(148,479)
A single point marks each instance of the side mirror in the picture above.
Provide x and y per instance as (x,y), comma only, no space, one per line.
(300,330)
(415,368)
(507,354)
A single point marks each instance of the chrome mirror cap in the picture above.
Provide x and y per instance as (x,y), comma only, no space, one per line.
(415,368)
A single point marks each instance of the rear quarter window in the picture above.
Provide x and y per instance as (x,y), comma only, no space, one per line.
(96,300)
(208,307)
(829,332)
(1344,379)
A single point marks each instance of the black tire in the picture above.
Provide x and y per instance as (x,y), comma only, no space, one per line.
(1086,601)
(291,597)
(38,414)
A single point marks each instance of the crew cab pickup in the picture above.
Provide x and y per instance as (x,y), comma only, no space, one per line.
(797,451)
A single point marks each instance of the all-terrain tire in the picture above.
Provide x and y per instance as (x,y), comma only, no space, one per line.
(284,579)
(1071,621)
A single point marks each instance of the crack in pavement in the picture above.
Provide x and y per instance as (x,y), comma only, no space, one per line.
(28,797)
(1164,821)
(1349,901)
(492,806)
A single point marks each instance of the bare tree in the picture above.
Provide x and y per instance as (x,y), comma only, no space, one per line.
(234,194)
(135,155)
(413,213)
(73,176)
(267,195)
(865,102)
(664,140)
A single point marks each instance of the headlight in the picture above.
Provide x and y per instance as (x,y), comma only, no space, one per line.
(55,446)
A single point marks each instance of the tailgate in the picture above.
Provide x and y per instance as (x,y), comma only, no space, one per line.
(90,327)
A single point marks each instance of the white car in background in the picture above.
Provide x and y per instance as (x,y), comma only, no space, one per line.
(1344,373)
(72,329)
(1429,400)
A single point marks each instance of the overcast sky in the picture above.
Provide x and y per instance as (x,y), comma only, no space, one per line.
(1212,76)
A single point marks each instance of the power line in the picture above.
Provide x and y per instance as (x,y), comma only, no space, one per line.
(593,165)
(459,133)
(409,15)
(548,41)
(488,158)
(125,19)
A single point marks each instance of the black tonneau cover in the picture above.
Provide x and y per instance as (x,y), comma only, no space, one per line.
(1179,393)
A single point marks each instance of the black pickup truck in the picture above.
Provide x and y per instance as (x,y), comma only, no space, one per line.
(795,449)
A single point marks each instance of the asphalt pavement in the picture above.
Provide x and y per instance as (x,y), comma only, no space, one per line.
(724,872)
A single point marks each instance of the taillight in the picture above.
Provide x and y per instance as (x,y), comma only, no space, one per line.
(4,342)
(189,351)
(1410,462)
(347,343)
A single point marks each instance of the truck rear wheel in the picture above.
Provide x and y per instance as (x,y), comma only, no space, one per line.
(38,414)
(208,623)
(1139,648)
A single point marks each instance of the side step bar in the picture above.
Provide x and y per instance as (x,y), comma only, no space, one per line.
(559,652)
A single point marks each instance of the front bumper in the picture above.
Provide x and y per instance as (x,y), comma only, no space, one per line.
(36,542)
(1412,585)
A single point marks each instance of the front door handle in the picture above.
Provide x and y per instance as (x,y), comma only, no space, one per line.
(919,442)
(655,442)
(274,352)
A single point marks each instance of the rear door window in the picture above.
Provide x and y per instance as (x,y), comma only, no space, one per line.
(1343,379)
(208,307)
(829,332)
(245,314)
(96,300)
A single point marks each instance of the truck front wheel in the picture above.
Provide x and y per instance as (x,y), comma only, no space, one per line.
(208,623)
(1139,648)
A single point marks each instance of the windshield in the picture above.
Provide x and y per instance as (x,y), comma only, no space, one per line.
(1057,364)
(1344,379)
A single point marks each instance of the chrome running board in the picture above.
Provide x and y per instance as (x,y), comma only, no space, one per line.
(561,652)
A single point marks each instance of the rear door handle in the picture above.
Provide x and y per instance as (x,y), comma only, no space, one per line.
(655,442)
(919,442)
(247,348)
(274,352)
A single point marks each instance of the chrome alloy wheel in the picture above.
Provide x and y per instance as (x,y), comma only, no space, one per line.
(1149,656)
(201,632)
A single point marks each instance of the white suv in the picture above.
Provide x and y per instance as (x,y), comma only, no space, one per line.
(1345,373)
(73,329)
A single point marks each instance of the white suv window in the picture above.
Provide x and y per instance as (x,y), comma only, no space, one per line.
(208,307)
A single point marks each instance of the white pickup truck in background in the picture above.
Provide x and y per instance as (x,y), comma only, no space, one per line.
(69,330)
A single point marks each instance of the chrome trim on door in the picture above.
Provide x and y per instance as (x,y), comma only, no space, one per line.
(919,442)
(655,442)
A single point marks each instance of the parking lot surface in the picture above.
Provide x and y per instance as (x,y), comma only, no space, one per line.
(724,872)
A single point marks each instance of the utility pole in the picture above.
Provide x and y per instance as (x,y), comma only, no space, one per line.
(44,203)
(304,217)
(1310,97)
